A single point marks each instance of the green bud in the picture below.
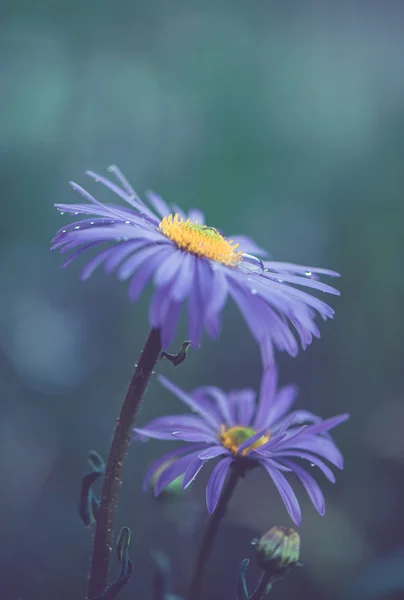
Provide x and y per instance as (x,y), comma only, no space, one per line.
(175,487)
(278,551)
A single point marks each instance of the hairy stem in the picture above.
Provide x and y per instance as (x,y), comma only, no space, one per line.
(261,589)
(113,472)
(195,588)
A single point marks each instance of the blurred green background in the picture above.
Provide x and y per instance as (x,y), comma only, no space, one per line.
(282,120)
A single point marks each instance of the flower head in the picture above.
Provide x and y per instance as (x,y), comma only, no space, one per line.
(278,551)
(194,263)
(243,434)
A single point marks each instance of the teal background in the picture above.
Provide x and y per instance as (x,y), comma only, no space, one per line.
(281,120)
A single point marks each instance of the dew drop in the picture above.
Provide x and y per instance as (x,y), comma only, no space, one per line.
(63,230)
(312,465)
(76,213)
(77,227)
(308,273)
(127,222)
(251,264)
(62,212)
(91,222)
(253,291)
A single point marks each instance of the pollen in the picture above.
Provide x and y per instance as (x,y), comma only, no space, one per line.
(200,240)
(232,437)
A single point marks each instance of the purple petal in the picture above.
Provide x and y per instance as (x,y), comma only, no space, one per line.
(305,281)
(143,276)
(243,402)
(159,307)
(311,486)
(266,398)
(301,417)
(168,268)
(170,323)
(251,440)
(210,405)
(282,403)
(163,459)
(170,423)
(299,269)
(216,303)
(312,458)
(248,245)
(190,401)
(160,206)
(319,445)
(130,199)
(93,264)
(173,471)
(268,446)
(195,310)
(327,424)
(124,182)
(216,482)
(191,472)
(196,215)
(213,452)
(221,401)
(205,287)
(194,436)
(287,494)
(121,252)
(129,266)
(177,209)
(185,277)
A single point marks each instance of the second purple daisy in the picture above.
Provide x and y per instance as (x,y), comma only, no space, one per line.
(243,433)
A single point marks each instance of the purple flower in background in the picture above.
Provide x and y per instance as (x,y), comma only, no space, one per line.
(189,261)
(241,432)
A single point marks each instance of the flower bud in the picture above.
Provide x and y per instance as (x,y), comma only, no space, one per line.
(175,487)
(278,550)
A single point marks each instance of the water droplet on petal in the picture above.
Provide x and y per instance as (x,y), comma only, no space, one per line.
(308,273)
(62,212)
(312,465)
(91,222)
(127,222)
(77,227)
(63,230)
(253,291)
(251,264)
(76,213)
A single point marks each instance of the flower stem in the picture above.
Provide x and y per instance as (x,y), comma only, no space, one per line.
(195,588)
(261,589)
(117,454)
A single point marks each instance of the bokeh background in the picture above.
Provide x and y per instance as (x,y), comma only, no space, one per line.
(283,120)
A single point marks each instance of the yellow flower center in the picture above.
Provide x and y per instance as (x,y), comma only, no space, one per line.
(234,436)
(200,240)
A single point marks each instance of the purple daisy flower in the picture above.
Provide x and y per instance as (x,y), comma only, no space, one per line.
(243,433)
(191,262)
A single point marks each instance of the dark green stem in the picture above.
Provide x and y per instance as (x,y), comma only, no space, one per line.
(262,586)
(113,471)
(195,589)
